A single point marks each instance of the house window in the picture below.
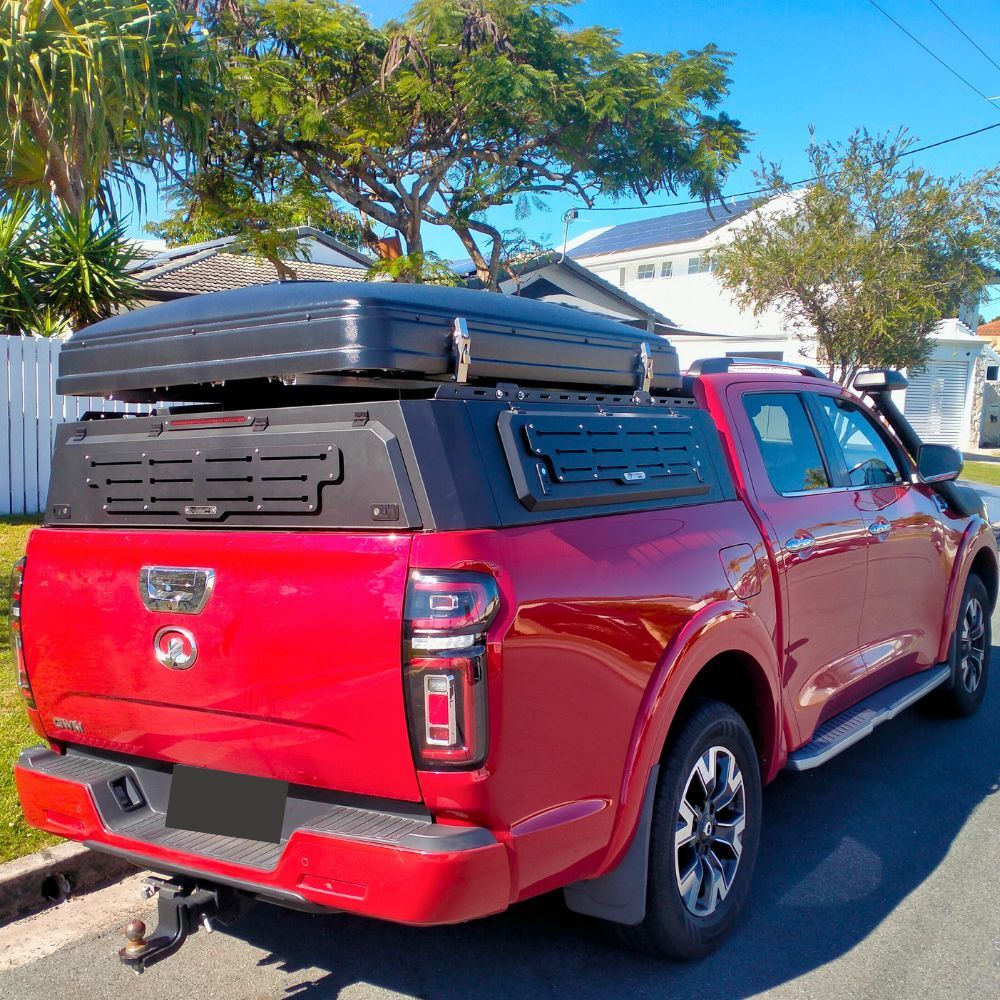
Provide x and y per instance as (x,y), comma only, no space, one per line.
(645,271)
(993,373)
(667,269)
(700,264)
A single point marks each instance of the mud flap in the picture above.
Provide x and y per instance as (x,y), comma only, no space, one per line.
(620,895)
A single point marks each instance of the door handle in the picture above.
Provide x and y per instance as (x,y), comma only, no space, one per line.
(879,529)
(800,544)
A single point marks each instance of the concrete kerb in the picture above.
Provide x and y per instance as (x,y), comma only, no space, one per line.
(54,873)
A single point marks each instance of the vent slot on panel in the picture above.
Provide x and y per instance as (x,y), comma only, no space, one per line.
(211,481)
(589,459)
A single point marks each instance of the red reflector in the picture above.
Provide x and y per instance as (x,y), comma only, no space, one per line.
(437,710)
(333,886)
(61,819)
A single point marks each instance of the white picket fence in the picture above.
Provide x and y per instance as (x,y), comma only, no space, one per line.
(30,411)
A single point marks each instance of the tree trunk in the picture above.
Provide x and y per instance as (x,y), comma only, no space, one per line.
(484,272)
(64,180)
(414,240)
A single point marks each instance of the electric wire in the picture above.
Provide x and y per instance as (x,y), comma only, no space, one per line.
(968,37)
(765,190)
(934,55)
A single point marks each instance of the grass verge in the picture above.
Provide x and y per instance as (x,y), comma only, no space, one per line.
(987,473)
(16,837)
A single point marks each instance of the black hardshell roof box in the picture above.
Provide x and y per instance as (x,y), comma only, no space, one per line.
(303,330)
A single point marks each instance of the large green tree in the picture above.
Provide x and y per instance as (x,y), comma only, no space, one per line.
(866,260)
(93,91)
(459,107)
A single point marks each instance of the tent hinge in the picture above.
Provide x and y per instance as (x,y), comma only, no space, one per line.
(646,358)
(463,349)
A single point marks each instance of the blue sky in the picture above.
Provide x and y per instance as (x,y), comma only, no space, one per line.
(836,64)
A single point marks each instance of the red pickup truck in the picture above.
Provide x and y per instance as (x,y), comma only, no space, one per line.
(421,649)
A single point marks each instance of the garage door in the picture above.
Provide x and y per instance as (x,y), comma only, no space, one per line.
(935,402)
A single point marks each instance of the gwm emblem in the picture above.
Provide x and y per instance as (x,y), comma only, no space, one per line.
(175,648)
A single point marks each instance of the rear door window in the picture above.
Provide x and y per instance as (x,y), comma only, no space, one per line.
(787,442)
(867,455)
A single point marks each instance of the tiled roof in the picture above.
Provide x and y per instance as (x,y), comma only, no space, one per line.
(676,228)
(212,271)
(991,329)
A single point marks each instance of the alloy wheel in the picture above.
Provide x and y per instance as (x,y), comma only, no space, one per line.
(972,645)
(708,841)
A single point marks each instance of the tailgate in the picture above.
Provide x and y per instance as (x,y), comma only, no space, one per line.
(298,667)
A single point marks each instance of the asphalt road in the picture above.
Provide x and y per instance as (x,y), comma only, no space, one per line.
(991,494)
(879,876)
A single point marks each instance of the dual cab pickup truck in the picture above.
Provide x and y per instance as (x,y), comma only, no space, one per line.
(432,601)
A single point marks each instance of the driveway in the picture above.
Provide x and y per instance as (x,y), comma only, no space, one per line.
(991,494)
(878,877)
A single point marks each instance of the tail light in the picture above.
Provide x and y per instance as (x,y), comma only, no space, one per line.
(446,617)
(16,584)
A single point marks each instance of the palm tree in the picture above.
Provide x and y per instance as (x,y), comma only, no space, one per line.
(91,91)
(81,270)
(17,290)
(60,270)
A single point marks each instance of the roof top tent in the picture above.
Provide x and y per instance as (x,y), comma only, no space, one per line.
(326,339)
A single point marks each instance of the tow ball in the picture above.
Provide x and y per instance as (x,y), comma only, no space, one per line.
(183,906)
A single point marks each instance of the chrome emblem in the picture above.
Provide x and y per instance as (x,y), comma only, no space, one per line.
(175,648)
(70,725)
(182,590)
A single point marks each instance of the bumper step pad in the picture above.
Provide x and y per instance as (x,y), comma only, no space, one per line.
(147,824)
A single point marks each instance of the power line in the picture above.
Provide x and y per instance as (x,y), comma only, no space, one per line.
(934,55)
(965,33)
(766,190)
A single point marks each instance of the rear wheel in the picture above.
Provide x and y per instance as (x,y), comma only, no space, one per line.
(970,653)
(704,838)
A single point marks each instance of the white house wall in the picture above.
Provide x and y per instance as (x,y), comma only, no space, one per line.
(698,302)
(319,253)
(693,301)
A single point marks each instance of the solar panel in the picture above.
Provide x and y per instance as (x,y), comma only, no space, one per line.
(674,228)
(463,266)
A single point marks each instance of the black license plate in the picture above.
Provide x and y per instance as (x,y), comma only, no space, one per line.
(230,805)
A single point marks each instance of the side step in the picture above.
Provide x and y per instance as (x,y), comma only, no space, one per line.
(857,722)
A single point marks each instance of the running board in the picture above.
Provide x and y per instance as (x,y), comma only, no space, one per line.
(846,729)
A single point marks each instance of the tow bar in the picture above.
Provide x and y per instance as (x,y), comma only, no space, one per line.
(183,907)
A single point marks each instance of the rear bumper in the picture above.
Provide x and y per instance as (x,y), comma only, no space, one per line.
(378,864)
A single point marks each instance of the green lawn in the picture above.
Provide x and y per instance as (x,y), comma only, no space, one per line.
(16,837)
(982,472)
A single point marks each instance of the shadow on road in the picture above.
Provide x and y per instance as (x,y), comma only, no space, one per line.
(842,847)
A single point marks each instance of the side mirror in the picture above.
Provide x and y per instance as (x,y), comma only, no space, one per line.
(938,463)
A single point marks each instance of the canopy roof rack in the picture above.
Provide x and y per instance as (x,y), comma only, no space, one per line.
(718,366)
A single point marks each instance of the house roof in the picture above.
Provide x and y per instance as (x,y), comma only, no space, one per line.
(223,272)
(991,329)
(631,307)
(215,266)
(681,227)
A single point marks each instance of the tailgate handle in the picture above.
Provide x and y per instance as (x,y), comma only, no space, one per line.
(183,590)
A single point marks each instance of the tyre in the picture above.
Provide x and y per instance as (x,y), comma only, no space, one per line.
(704,837)
(970,654)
